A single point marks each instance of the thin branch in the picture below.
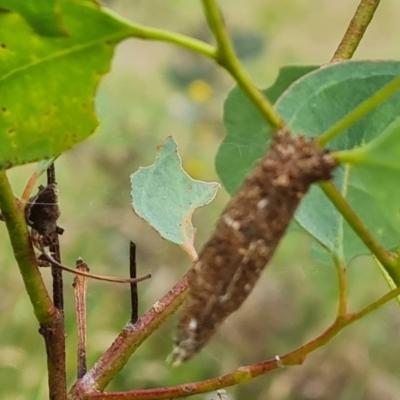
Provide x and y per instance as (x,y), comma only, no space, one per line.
(58,287)
(374,306)
(55,349)
(387,259)
(146,33)
(343,286)
(55,335)
(224,55)
(80,290)
(47,257)
(14,217)
(131,337)
(134,291)
(227,58)
(356,29)
(247,373)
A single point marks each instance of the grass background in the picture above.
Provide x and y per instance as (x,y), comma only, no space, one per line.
(155,90)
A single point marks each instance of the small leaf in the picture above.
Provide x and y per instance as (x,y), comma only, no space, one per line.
(165,196)
(48,84)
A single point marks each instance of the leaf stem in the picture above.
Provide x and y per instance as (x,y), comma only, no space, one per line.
(227,58)
(24,254)
(387,259)
(358,112)
(246,373)
(356,29)
(343,286)
(146,33)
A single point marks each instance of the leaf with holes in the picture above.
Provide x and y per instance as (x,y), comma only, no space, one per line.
(165,196)
(47,84)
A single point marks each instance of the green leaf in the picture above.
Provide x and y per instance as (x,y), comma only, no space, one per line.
(165,196)
(376,165)
(247,135)
(312,105)
(43,15)
(47,84)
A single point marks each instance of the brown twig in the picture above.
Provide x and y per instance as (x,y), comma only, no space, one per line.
(80,290)
(55,349)
(47,257)
(356,29)
(58,288)
(55,335)
(130,338)
(246,373)
(134,290)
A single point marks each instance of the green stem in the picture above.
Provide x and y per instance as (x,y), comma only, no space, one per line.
(387,259)
(227,58)
(373,306)
(24,254)
(198,46)
(343,286)
(358,112)
(356,29)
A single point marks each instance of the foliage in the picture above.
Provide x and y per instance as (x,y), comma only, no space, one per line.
(49,75)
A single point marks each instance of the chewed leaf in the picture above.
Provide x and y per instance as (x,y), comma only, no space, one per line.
(48,84)
(165,196)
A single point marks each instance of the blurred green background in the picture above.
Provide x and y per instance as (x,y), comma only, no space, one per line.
(155,90)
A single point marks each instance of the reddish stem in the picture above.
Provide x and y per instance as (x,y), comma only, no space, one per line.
(242,374)
(131,337)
